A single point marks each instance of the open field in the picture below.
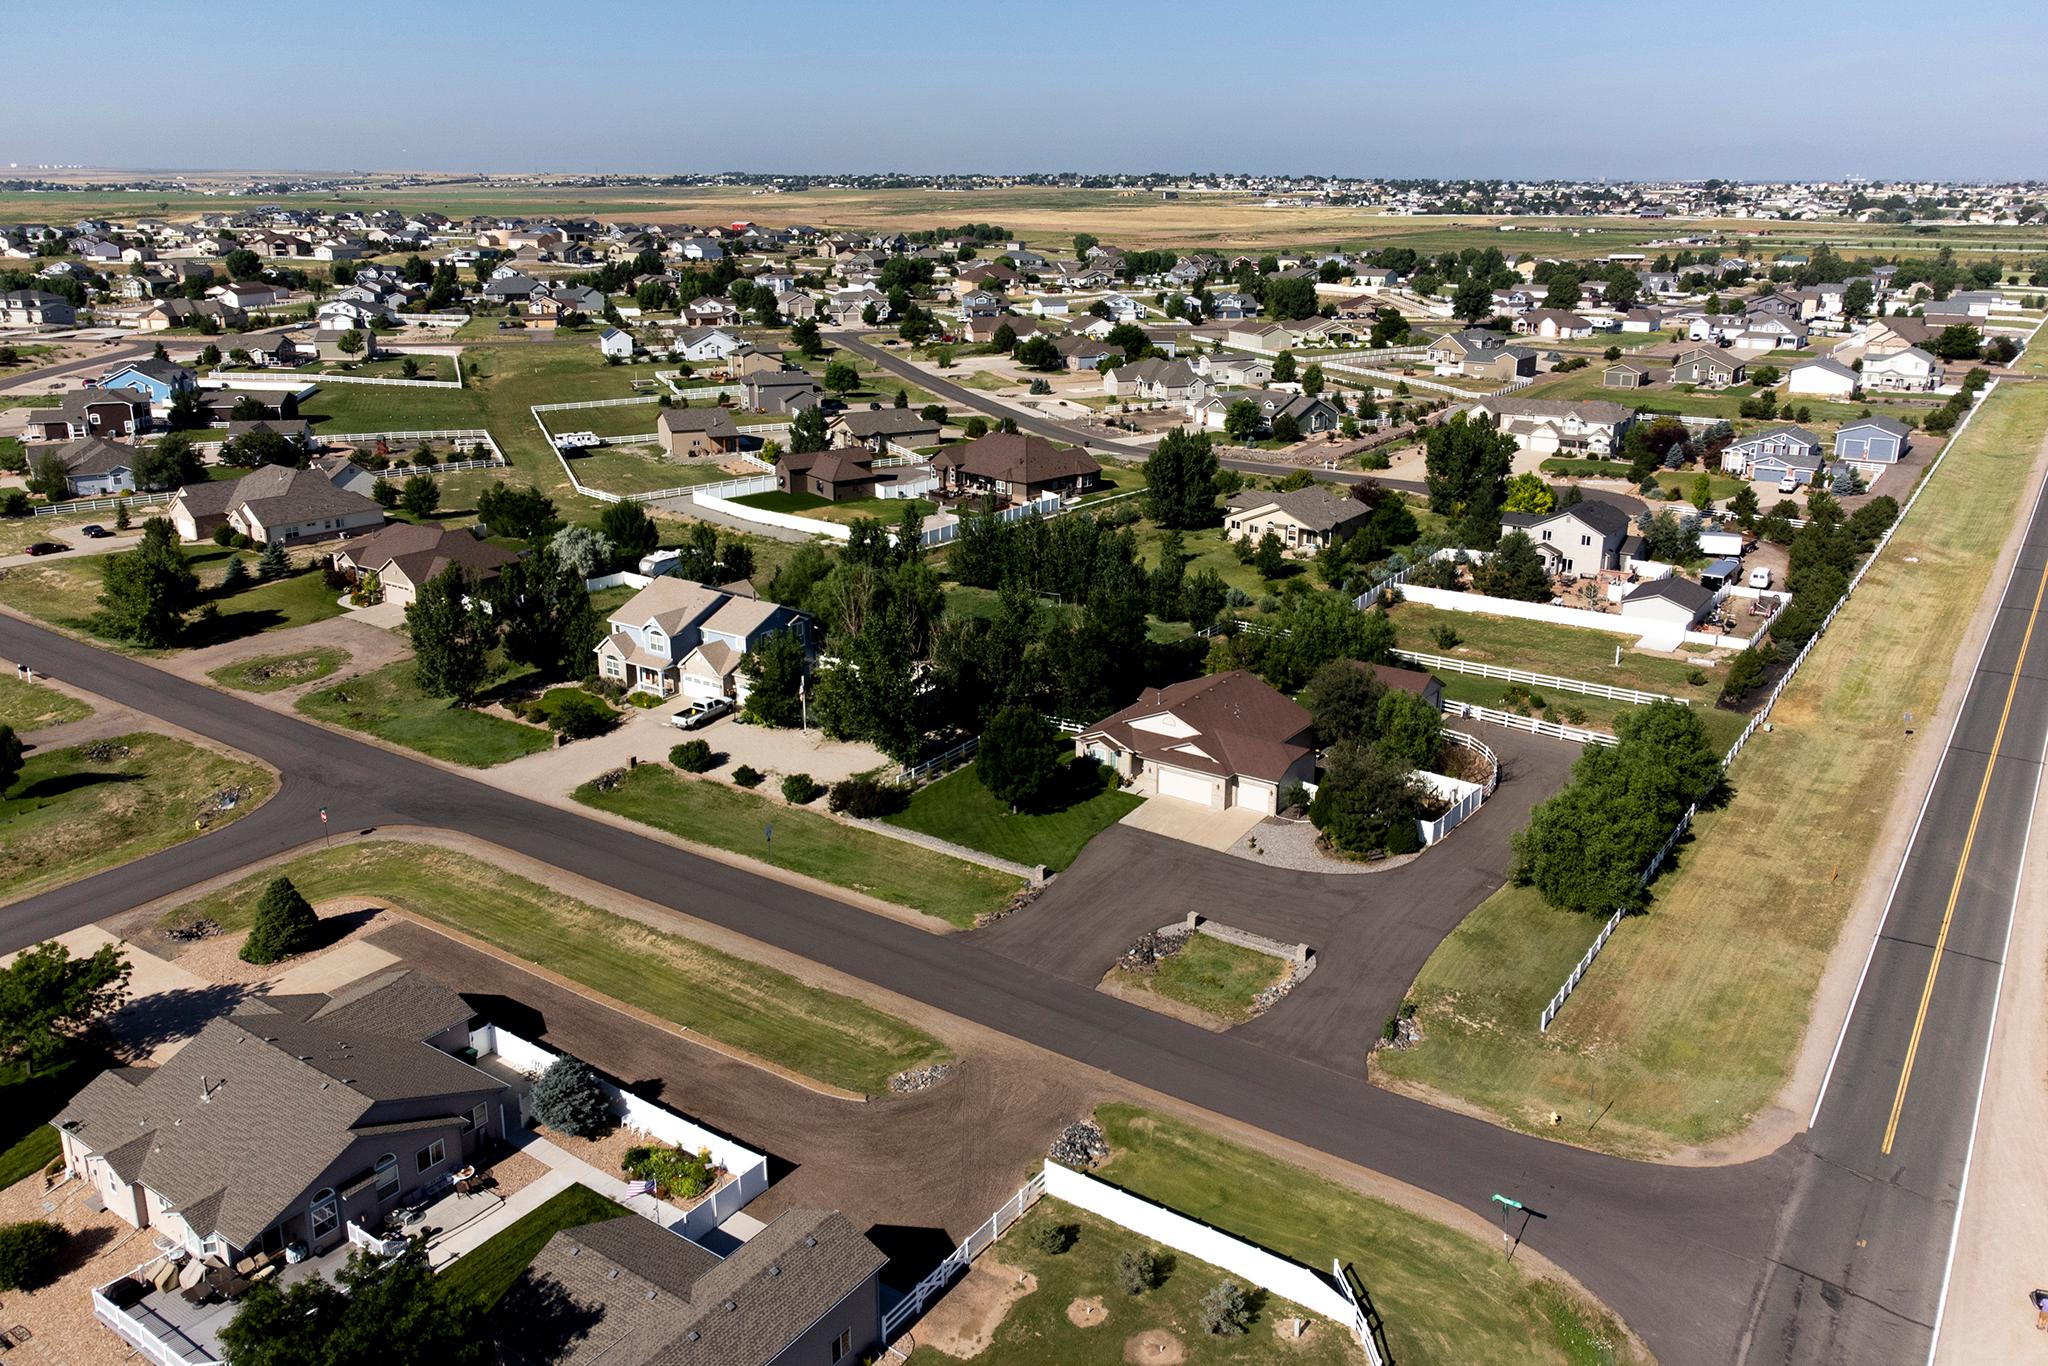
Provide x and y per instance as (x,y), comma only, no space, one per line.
(770,1014)
(65,593)
(275,673)
(1446,1298)
(640,469)
(1542,648)
(1216,978)
(1691,1018)
(31,706)
(389,705)
(710,812)
(486,1273)
(958,808)
(70,814)
(1722,403)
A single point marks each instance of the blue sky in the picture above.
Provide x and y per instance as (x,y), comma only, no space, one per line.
(1540,88)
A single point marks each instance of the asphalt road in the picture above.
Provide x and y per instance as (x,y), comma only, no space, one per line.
(1860,1262)
(961,396)
(1677,1252)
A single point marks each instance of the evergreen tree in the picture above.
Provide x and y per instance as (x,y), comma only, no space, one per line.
(285,924)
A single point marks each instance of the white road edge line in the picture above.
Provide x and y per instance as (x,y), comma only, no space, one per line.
(1984,1070)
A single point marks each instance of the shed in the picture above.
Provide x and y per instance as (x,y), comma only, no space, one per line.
(1720,573)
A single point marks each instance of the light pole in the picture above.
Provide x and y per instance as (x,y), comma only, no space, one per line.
(1506,1205)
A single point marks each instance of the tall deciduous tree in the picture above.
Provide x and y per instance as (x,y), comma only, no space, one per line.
(48,999)
(387,1310)
(1466,464)
(451,637)
(1180,475)
(775,672)
(145,592)
(1018,757)
(548,620)
(630,530)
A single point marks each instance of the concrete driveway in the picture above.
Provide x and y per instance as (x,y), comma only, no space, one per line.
(1202,826)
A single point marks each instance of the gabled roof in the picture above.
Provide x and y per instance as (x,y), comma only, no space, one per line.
(1318,507)
(1694,597)
(1227,723)
(864,423)
(1888,425)
(91,455)
(713,422)
(1609,521)
(1018,458)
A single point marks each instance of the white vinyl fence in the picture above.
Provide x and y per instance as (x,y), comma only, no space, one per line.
(911,1305)
(1763,713)
(747,1168)
(1434,831)
(134,500)
(1269,1271)
(1535,680)
(1535,725)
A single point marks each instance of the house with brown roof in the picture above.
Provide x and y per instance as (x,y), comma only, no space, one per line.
(1305,520)
(876,429)
(686,432)
(786,392)
(626,1292)
(1548,426)
(838,474)
(1226,740)
(1016,467)
(676,636)
(404,556)
(276,505)
(289,1119)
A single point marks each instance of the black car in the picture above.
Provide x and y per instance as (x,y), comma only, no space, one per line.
(93,531)
(48,548)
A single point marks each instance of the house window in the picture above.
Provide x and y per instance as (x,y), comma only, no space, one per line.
(387,1176)
(611,667)
(431,1156)
(322,1215)
(842,1344)
(480,1115)
(1585,540)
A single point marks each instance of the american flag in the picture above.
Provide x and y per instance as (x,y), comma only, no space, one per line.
(639,1188)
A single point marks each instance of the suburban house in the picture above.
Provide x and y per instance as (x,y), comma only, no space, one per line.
(615,343)
(35,308)
(1084,352)
(1670,601)
(276,505)
(879,428)
(1775,455)
(1769,332)
(678,636)
(1153,380)
(95,467)
(1553,324)
(110,413)
(702,344)
(404,556)
(1501,363)
(626,1292)
(1822,378)
(1221,741)
(1225,368)
(1311,412)
(159,379)
(1625,374)
(1016,467)
(1578,541)
(1709,368)
(1909,370)
(281,1124)
(1547,426)
(837,475)
(248,294)
(165,314)
(685,432)
(1872,441)
(784,392)
(1304,519)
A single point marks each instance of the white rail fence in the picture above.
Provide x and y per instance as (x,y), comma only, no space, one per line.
(99,504)
(1763,713)
(141,1336)
(238,378)
(912,1304)
(1536,680)
(747,1169)
(1535,725)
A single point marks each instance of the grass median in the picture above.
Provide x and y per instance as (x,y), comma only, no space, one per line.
(80,810)
(31,706)
(1687,1027)
(1446,1297)
(708,812)
(1217,978)
(388,704)
(821,1034)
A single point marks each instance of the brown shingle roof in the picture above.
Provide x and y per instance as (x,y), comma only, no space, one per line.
(1235,724)
(1018,458)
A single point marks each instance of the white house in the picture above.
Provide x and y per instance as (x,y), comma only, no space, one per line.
(1821,379)
(1906,371)
(675,636)
(1669,601)
(616,342)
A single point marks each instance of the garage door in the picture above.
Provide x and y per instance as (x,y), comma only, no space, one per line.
(1189,787)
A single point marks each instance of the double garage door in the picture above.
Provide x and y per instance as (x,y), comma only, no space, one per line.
(1189,787)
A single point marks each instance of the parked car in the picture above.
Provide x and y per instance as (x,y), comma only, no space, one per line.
(701,713)
(1788,485)
(93,531)
(1759,577)
(48,548)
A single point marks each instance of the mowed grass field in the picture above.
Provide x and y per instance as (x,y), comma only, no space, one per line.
(819,1033)
(31,706)
(1689,1023)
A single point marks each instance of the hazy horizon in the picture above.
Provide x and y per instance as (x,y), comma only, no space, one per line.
(1532,92)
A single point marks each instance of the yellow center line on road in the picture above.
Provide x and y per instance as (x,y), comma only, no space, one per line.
(1955,891)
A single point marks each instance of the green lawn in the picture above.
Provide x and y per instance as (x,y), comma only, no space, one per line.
(1539,647)
(69,815)
(1720,486)
(624,419)
(274,673)
(388,704)
(1690,1020)
(889,510)
(958,808)
(1217,978)
(28,1143)
(66,594)
(487,1272)
(1446,1297)
(710,812)
(1037,1331)
(641,469)
(1580,709)
(31,706)
(1687,402)
(822,1034)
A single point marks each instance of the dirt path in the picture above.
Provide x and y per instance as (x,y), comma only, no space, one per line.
(369,647)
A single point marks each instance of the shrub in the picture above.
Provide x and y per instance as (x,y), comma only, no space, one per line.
(14,503)
(1446,637)
(865,797)
(576,714)
(747,776)
(1051,1238)
(223,535)
(692,756)
(284,925)
(675,1173)
(1137,1270)
(28,1254)
(1697,678)
(799,788)
(1227,1309)
(569,1097)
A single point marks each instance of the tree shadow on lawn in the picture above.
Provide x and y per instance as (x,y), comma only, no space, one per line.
(203,631)
(1078,780)
(62,784)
